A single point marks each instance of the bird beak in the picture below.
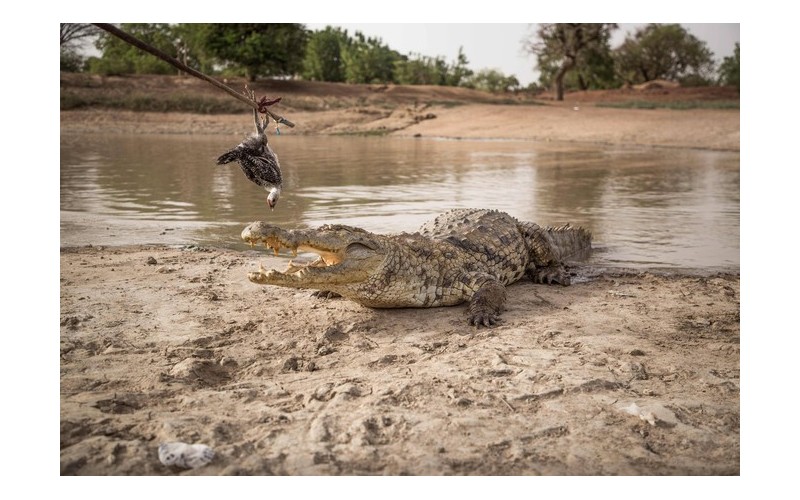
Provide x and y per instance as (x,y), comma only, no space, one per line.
(272,199)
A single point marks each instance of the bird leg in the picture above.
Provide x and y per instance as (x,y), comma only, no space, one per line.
(264,123)
(261,127)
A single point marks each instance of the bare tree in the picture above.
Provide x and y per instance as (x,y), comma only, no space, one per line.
(75,32)
(562,44)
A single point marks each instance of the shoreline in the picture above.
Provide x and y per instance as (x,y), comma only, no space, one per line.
(716,130)
(589,271)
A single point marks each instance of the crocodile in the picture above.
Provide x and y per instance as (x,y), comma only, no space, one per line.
(463,255)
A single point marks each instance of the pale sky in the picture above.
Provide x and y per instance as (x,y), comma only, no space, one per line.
(499,46)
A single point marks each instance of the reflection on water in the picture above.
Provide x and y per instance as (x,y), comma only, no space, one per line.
(646,207)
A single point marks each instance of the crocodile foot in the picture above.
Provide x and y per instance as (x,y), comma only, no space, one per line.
(487,304)
(325,294)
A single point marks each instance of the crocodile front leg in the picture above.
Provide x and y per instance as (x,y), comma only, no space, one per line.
(486,300)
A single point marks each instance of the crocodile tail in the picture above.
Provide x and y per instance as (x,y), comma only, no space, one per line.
(569,242)
(553,245)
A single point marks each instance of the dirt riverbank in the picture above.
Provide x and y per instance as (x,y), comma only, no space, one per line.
(423,111)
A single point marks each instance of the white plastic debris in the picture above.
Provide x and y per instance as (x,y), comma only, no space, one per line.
(636,410)
(188,456)
(655,414)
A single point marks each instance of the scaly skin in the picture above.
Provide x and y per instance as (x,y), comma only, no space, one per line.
(463,255)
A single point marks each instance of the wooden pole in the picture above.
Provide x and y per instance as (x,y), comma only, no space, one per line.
(183,67)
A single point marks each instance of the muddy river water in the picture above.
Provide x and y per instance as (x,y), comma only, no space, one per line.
(647,207)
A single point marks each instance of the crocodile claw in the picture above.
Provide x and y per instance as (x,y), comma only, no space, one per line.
(487,304)
(481,319)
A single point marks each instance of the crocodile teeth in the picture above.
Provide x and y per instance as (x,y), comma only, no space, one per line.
(292,267)
(275,246)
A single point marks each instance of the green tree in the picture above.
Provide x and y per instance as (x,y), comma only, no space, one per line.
(594,69)
(190,44)
(323,58)
(458,72)
(417,69)
(258,49)
(492,80)
(729,69)
(663,51)
(119,57)
(71,61)
(562,47)
(420,70)
(369,60)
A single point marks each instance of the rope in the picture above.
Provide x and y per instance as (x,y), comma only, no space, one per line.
(176,63)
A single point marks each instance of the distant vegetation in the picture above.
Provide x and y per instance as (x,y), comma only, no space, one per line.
(573,55)
(579,56)
(729,69)
(570,56)
(142,101)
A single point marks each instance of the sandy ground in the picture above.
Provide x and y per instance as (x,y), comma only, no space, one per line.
(619,374)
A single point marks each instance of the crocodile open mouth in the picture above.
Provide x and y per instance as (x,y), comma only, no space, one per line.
(342,255)
(324,257)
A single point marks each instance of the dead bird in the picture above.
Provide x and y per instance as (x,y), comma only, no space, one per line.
(258,161)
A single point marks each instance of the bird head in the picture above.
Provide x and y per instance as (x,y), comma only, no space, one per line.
(272,198)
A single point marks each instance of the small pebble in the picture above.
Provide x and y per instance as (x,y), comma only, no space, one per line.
(188,456)
(291,364)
